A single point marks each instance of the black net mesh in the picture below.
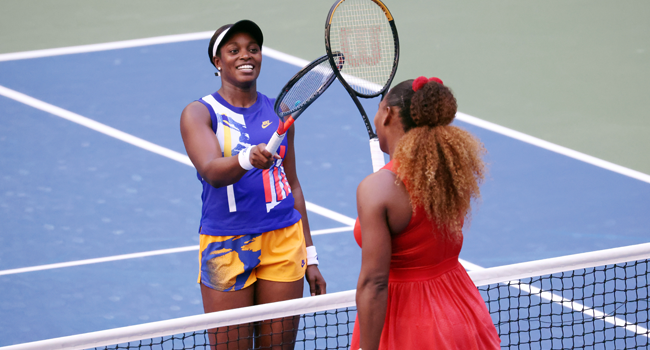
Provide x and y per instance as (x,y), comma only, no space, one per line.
(330,329)
(603,307)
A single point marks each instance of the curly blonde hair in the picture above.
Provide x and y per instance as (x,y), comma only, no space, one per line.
(440,164)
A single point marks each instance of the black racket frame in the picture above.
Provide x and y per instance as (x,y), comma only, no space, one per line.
(353,93)
(295,112)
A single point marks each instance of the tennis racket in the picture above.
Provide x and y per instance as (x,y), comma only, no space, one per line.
(300,92)
(364,32)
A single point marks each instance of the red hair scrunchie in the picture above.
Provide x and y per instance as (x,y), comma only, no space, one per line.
(419,82)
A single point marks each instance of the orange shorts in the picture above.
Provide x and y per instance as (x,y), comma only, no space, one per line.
(229,263)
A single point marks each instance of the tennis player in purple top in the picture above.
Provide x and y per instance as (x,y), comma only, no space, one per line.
(255,243)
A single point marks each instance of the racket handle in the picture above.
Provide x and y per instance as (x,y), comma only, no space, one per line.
(376,155)
(275,142)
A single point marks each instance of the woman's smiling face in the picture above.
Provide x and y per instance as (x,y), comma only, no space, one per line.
(241,59)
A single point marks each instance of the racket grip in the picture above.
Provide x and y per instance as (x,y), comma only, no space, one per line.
(376,155)
(275,142)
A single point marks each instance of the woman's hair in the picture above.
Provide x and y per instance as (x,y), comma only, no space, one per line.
(440,164)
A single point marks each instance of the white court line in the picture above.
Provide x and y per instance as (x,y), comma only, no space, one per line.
(135,255)
(553,147)
(146,145)
(267,51)
(330,214)
(296,61)
(91,124)
(98,260)
(136,141)
(575,306)
(301,63)
(105,46)
(332,230)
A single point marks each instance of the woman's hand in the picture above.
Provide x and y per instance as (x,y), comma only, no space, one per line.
(316,281)
(261,158)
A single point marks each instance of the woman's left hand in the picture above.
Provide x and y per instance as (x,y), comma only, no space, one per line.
(316,281)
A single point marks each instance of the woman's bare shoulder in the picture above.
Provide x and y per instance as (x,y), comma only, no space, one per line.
(195,109)
(379,186)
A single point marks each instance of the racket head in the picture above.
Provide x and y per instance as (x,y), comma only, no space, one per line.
(304,87)
(364,32)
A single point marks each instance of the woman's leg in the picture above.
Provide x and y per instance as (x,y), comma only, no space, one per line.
(237,337)
(277,334)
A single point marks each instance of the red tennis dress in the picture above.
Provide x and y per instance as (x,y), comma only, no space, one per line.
(432,302)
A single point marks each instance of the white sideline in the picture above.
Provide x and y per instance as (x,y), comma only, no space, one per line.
(104,46)
(301,63)
(134,255)
(167,39)
(330,214)
(553,147)
(98,260)
(544,267)
(94,125)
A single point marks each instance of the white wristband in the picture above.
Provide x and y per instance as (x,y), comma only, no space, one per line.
(312,256)
(245,158)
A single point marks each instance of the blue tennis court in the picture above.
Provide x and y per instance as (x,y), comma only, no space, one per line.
(69,193)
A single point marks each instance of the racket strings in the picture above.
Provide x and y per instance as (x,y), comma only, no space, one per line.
(362,32)
(307,88)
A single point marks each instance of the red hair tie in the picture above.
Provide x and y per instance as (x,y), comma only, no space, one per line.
(419,82)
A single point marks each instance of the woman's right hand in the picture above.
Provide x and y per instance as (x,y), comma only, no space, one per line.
(261,158)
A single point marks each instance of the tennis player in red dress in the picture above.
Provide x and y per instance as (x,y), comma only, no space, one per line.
(412,291)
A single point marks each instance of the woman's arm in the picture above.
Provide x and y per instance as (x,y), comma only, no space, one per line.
(372,287)
(317,285)
(204,151)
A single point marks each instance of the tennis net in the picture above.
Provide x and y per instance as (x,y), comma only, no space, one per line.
(596,300)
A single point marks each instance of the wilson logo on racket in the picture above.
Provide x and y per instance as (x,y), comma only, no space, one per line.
(364,33)
(367,47)
(266,123)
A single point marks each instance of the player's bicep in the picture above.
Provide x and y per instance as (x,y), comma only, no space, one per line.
(200,141)
(375,234)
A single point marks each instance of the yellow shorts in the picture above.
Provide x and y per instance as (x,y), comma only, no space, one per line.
(229,263)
